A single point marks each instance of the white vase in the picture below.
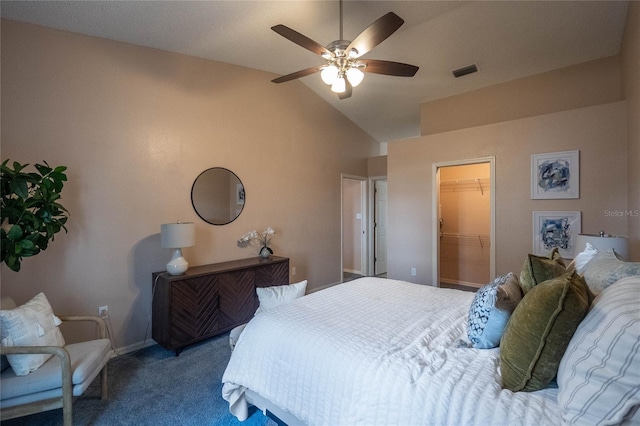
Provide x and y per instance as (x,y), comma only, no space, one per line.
(265,252)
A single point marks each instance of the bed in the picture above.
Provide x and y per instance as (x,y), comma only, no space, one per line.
(381,351)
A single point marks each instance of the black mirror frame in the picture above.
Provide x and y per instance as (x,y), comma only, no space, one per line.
(193,204)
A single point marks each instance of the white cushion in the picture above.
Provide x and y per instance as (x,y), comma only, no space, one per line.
(605,268)
(5,303)
(270,297)
(87,359)
(581,259)
(598,377)
(32,324)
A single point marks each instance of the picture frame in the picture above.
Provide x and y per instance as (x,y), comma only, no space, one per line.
(555,175)
(239,194)
(553,229)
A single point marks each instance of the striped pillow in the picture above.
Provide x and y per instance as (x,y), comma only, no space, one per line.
(598,377)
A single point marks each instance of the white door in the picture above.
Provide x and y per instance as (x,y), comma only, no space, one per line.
(380,234)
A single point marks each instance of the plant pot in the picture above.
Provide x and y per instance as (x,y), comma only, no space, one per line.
(265,252)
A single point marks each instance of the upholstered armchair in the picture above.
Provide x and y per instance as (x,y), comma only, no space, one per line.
(68,373)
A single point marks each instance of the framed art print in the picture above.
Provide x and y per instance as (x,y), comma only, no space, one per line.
(555,175)
(553,229)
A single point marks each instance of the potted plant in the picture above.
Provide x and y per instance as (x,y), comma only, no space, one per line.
(31,213)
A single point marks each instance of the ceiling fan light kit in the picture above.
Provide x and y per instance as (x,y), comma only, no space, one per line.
(343,69)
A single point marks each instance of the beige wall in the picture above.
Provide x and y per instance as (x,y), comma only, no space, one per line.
(599,132)
(136,126)
(377,166)
(592,83)
(630,59)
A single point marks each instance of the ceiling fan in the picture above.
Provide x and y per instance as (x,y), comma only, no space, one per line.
(344,69)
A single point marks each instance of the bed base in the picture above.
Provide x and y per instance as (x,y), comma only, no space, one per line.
(269,409)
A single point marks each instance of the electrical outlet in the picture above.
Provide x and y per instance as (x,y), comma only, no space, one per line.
(413,272)
(103,311)
(293,270)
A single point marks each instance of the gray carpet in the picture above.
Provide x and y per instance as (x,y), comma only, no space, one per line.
(154,387)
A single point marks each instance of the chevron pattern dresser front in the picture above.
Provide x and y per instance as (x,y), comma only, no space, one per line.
(211,299)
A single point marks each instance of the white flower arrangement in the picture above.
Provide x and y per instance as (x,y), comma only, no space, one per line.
(260,240)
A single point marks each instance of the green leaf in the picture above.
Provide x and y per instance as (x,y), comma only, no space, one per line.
(19,187)
(15,233)
(29,203)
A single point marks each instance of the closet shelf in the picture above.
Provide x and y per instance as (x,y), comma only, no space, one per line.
(480,239)
(472,184)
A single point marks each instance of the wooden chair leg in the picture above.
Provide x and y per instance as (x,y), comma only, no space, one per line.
(67,389)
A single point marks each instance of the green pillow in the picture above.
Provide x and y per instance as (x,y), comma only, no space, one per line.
(539,332)
(537,269)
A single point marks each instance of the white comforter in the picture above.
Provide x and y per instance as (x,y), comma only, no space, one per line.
(377,351)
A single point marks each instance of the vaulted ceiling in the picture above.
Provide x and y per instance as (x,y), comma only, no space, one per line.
(506,39)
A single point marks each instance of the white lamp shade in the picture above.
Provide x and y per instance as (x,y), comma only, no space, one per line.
(355,76)
(329,74)
(175,236)
(339,86)
(178,235)
(603,243)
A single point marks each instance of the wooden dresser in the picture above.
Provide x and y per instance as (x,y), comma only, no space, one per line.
(210,299)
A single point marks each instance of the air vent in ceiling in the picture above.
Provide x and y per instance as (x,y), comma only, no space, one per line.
(469,69)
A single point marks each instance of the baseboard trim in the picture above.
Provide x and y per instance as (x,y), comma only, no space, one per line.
(123,350)
(458,282)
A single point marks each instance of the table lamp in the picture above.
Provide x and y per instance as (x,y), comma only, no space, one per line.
(603,243)
(176,236)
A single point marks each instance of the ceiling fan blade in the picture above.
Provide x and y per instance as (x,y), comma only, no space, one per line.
(297,74)
(348,90)
(397,69)
(376,33)
(300,39)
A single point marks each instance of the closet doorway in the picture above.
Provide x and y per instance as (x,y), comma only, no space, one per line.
(464,226)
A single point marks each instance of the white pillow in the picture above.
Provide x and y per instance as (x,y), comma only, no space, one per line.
(581,259)
(32,324)
(270,297)
(605,268)
(598,377)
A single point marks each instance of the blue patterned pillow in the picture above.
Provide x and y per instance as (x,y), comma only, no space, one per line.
(490,310)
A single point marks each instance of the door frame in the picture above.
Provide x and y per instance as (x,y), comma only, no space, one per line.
(371,266)
(435,229)
(364,237)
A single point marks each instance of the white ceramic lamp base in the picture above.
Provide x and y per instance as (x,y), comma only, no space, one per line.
(178,265)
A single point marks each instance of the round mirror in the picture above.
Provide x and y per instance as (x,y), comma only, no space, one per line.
(217,196)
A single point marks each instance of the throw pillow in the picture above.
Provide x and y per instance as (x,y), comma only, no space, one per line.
(537,269)
(5,303)
(605,268)
(270,297)
(581,259)
(490,310)
(539,331)
(32,324)
(598,377)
